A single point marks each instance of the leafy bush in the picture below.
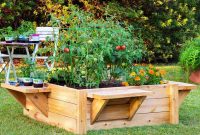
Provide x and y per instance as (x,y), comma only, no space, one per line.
(165,25)
(189,57)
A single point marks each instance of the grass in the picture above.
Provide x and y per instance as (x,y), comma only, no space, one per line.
(12,122)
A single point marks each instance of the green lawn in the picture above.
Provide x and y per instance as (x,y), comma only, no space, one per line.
(12,122)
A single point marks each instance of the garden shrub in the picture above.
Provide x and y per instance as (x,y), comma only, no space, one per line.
(165,25)
(189,56)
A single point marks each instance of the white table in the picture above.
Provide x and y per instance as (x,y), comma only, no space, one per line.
(10,49)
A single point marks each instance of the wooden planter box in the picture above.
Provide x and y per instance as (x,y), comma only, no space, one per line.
(92,109)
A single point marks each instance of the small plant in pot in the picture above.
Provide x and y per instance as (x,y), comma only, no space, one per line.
(28,81)
(39,77)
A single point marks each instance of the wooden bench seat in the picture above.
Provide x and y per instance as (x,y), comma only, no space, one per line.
(37,96)
(101,99)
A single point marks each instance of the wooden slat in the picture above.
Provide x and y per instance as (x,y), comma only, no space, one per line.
(40,102)
(25,89)
(158,91)
(138,120)
(53,119)
(63,93)
(135,103)
(62,108)
(81,112)
(119,93)
(97,107)
(173,103)
(182,94)
(184,86)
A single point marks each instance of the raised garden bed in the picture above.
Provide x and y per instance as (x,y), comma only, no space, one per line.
(104,108)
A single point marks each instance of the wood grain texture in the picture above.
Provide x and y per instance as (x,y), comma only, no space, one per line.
(118,93)
(62,108)
(96,108)
(138,120)
(135,103)
(173,103)
(40,101)
(63,93)
(82,107)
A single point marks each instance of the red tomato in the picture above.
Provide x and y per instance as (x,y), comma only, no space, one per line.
(66,50)
(118,48)
(123,47)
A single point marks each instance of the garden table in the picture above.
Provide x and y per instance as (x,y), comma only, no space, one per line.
(10,49)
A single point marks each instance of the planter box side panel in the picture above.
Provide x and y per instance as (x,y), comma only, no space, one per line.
(154,110)
(64,109)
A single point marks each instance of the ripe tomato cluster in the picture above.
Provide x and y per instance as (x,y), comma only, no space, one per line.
(118,48)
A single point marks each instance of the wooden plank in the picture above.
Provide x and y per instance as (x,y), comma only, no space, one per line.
(154,106)
(119,93)
(158,91)
(40,102)
(20,97)
(25,89)
(182,95)
(53,119)
(135,103)
(63,93)
(96,108)
(62,108)
(81,112)
(173,103)
(184,86)
(138,120)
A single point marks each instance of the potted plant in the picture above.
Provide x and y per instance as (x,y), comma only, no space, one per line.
(38,78)
(28,81)
(190,60)
(9,34)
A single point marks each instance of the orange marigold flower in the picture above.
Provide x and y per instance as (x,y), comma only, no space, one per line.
(144,64)
(125,84)
(162,72)
(151,72)
(135,64)
(137,78)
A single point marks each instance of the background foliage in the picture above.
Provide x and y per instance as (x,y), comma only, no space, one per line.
(165,24)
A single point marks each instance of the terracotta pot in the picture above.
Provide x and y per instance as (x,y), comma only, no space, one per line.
(195,76)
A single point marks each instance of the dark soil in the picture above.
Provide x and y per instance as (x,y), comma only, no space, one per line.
(103,84)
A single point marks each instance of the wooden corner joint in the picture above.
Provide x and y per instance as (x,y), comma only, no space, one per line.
(135,103)
(40,100)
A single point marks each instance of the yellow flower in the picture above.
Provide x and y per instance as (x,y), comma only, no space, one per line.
(125,84)
(157,73)
(90,42)
(142,72)
(137,78)
(3,4)
(161,82)
(133,74)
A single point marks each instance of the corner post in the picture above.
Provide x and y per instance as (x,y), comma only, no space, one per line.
(173,103)
(81,112)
